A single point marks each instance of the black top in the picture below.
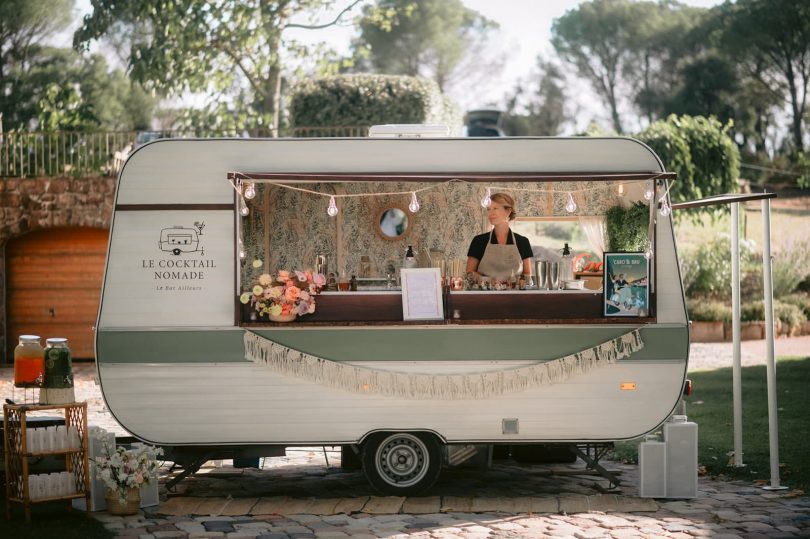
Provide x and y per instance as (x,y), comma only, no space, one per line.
(479,244)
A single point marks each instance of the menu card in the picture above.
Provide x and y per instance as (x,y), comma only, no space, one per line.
(422,294)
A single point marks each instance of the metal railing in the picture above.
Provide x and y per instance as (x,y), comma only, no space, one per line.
(68,153)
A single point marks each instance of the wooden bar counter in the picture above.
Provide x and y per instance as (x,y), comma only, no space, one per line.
(465,307)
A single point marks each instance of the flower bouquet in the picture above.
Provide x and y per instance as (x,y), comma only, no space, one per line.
(124,469)
(286,296)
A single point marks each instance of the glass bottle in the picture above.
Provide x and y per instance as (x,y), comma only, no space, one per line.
(566,266)
(29,362)
(410,259)
(353,283)
(58,364)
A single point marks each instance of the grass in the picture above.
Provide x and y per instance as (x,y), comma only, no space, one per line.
(710,407)
(787,226)
(52,519)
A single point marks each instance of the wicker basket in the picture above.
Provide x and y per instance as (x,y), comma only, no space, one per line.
(115,507)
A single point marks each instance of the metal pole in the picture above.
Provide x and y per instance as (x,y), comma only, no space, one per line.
(767,278)
(735,331)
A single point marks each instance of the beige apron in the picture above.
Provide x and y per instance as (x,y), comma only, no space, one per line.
(501,261)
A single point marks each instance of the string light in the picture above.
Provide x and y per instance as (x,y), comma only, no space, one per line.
(414,205)
(571,205)
(620,190)
(332,210)
(244,211)
(665,209)
(648,252)
(250,190)
(649,192)
(487,200)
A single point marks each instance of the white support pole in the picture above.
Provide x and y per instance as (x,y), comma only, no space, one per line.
(767,278)
(735,331)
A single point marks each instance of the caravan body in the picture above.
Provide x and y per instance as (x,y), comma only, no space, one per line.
(171,353)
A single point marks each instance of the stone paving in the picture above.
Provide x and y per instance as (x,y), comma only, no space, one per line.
(306,495)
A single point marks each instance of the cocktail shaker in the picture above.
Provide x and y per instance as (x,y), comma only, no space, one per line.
(321,265)
(553,275)
(542,274)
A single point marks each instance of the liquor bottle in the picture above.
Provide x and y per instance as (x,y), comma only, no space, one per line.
(410,259)
(566,266)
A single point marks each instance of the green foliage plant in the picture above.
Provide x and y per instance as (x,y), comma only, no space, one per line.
(364,100)
(802,301)
(702,153)
(706,271)
(627,227)
(787,313)
(701,310)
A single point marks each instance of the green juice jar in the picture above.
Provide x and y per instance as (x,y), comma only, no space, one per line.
(58,364)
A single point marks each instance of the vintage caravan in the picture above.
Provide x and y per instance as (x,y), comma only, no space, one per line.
(183,363)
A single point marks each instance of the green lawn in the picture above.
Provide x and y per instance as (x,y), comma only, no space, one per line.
(710,407)
(52,519)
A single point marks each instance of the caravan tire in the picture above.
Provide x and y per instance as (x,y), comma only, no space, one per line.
(402,463)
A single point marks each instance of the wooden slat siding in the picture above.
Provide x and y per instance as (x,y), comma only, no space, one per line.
(59,268)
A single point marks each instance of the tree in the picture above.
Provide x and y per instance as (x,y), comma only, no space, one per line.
(623,47)
(23,25)
(772,38)
(220,47)
(429,38)
(541,111)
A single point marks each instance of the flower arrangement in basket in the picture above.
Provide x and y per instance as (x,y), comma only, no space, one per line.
(124,469)
(286,296)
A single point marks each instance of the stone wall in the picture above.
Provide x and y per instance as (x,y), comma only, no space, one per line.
(30,204)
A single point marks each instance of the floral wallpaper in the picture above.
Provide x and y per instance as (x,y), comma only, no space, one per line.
(287,229)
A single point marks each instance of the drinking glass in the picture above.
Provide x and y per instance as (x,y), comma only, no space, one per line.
(553,276)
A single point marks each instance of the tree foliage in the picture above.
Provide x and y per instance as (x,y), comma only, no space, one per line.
(771,40)
(435,39)
(540,108)
(50,88)
(225,48)
(700,151)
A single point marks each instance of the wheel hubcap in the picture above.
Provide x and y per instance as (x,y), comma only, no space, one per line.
(402,460)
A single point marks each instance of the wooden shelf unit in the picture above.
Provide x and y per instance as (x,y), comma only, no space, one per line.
(17,454)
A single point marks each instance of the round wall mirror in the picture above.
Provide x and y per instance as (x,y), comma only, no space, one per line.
(393,223)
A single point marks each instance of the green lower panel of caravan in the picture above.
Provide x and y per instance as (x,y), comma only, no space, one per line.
(386,344)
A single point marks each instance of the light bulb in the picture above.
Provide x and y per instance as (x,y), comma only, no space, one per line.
(649,192)
(570,205)
(414,205)
(620,190)
(244,211)
(648,252)
(242,254)
(250,190)
(486,201)
(332,210)
(665,209)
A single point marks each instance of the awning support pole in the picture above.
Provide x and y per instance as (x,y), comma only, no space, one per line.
(735,331)
(767,277)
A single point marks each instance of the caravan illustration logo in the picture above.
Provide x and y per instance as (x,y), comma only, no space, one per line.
(178,239)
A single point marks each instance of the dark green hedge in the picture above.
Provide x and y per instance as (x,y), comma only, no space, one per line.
(365,100)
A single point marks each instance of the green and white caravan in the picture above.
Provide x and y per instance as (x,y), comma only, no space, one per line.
(183,364)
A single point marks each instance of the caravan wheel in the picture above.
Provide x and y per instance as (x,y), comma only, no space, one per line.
(402,463)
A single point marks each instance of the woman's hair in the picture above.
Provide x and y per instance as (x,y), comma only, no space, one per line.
(507,201)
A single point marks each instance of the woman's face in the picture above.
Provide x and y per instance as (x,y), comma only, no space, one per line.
(497,213)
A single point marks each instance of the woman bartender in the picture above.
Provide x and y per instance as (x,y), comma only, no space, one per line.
(500,253)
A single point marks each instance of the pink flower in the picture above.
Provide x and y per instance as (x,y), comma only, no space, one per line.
(292,293)
(319,279)
(283,276)
(302,277)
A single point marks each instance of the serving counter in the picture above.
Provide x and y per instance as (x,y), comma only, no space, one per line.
(465,307)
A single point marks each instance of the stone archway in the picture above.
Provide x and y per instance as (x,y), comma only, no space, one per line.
(53,285)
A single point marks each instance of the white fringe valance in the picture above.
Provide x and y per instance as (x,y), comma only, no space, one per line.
(480,385)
